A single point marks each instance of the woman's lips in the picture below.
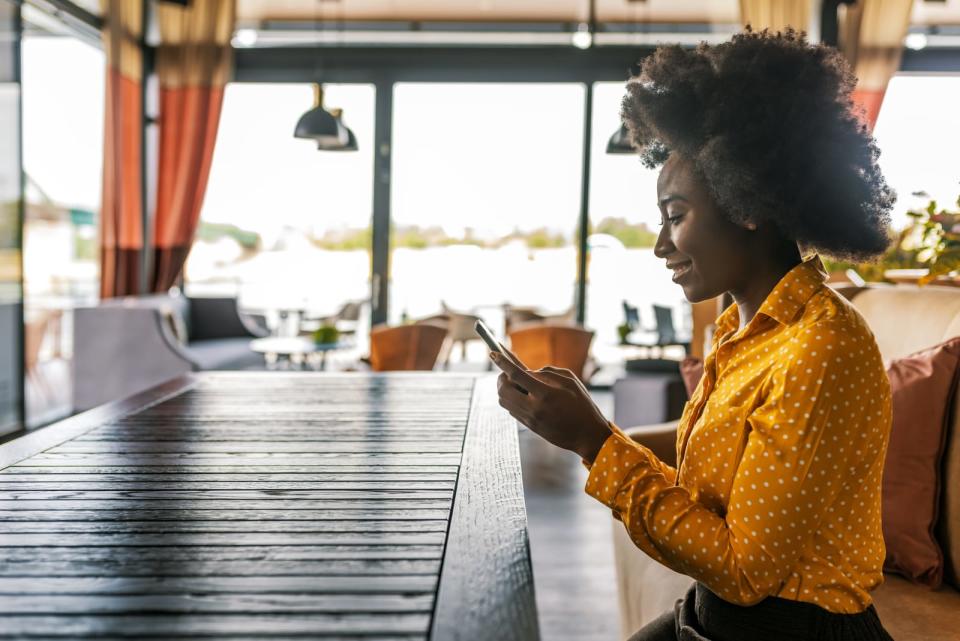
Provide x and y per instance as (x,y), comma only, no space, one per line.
(680,270)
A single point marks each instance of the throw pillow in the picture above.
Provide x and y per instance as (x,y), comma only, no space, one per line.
(691,371)
(923,387)
(174,324)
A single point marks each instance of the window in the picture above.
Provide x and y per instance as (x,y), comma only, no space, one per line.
(11,295)
(624,221)
(485,198)
(284,226)
(918,134)
(63,113)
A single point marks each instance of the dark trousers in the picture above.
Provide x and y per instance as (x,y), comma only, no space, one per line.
(703,616)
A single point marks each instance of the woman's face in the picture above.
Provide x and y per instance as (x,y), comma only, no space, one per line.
(706,252)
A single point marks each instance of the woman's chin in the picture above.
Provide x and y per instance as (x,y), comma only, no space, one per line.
(695,294)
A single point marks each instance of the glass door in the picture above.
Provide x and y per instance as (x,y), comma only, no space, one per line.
(284,226)
(485,200)
(624,221)
(11,293)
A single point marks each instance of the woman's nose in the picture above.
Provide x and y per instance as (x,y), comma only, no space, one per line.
(664,246)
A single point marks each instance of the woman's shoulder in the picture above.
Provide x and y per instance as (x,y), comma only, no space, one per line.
(827,310)
(833,334)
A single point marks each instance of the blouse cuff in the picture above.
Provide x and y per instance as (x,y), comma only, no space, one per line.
(610,467)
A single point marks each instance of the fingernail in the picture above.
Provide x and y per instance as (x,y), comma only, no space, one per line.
(493,356)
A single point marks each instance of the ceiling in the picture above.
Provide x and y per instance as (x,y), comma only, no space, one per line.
(640,11)
(926,13)
(724,11)
(936,13)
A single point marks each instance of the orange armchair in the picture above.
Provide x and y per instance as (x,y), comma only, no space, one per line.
(407,347)
(564,346)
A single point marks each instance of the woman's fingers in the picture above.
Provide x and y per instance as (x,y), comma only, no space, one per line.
(513,400)
(566,375)
(510,396)
(518,376)
(516,359)
(556,371)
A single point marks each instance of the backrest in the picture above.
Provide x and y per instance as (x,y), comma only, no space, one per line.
(216,317)
(177,306)
(631,315)
(906,319)
(407,347)
(664,317)
(517,316)
(542,344)
(350,311)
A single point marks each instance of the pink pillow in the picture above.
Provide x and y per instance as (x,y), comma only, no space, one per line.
(923,387)
(691,371)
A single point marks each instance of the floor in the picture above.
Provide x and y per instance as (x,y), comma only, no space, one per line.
(570,541)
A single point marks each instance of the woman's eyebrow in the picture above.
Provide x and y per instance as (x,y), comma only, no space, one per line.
(670,198)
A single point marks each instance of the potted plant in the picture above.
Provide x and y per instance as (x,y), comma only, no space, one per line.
(926,249)
(938,233)
(623,330)
(326,334)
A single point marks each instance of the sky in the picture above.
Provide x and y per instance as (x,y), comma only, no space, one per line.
(490,157)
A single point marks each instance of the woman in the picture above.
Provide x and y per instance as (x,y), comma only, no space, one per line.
(774,505)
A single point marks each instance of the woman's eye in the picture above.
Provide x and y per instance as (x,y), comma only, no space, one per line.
(672,218)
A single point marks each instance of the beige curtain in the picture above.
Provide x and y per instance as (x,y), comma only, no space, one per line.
(121,226)
(775,15)
(194,63)
(871,36)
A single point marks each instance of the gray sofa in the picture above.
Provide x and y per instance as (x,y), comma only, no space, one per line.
(126,345)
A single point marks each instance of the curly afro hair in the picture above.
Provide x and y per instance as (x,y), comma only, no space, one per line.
(768,122)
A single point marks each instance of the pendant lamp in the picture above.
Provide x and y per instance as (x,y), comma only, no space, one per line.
(351,144)
(619,142)
(320,125)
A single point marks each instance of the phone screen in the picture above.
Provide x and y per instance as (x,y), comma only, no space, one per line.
(484,332)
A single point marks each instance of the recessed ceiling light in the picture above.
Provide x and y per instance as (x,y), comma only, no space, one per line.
(582,38)
(916,41)
(245,37)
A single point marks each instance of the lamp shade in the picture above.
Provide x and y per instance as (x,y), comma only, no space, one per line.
(619,142)
(320,125)
(351,144)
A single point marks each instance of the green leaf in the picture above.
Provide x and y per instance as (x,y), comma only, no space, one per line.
(945,264)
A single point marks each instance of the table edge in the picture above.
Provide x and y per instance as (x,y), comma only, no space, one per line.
(488,517)
(44,438)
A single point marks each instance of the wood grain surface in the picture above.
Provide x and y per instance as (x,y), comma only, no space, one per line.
(486,589)
(271,505)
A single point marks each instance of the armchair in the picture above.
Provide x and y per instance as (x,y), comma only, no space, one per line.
(123,346)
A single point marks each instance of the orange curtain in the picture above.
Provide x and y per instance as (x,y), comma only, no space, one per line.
(194,61)
(775,15)
(871,37)
(121,228)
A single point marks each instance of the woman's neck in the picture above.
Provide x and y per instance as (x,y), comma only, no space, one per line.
(765,277)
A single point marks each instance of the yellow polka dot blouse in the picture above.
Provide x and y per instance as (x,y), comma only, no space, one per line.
(779,458)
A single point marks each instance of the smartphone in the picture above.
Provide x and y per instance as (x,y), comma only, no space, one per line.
(484,332)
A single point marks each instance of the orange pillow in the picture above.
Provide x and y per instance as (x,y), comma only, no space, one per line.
(923,387)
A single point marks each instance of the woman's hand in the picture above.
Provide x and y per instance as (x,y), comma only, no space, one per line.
(556,406)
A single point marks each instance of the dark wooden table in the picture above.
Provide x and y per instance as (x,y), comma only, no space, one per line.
(267,505)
